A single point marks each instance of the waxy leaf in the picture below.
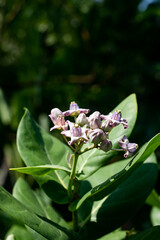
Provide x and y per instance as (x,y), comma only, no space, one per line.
(36,148)
(115,209)
(25,216)
(149,234)
(105,188)
(155,216)
(18,233)
(116,235)
(39,203)
(92,160)
(40,170)
(128,107)
(11,237)
(153,199)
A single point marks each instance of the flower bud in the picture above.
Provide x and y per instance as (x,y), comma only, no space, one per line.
(96,136)
(55,113)
(128,147)
(81,120)
(105,126)
(106,145)
(95,120)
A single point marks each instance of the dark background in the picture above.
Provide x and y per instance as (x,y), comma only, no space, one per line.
(95,52)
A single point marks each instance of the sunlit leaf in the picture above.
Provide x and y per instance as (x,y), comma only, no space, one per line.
(92,160)
(37,147)
(37,201)
(153,199)
(105,188)
(115,209)
(151,233)
(18,233)
(40,170)
(24,215)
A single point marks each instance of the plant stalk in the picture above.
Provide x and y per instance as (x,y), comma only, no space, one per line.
(72,176)
(75,221)
(72,189)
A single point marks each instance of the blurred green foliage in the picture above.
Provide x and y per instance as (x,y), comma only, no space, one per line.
(95,52)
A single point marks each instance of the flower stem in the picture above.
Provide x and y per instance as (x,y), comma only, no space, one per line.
(116,149)
(87,149)
(75,221)
(68,144)
(72,176)
(72,188)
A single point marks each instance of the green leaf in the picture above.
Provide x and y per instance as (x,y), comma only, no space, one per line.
(24,215)
(105,188)
(37,147)
(10,237)
(5,113)
(115,209)
(153,199)
(37,201)
(92,160)
(128,107)
(6,222)
(35,235)
(149,234)
(40,170)
(155,216)
(18,233)
(116,235)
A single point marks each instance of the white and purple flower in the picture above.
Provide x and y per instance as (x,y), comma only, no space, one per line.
(95,128)
(76,133)
(58,120)
(74,110)
(113,120)
(128,147)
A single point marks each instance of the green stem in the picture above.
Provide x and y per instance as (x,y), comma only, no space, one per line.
(72,176)
(68,144)
(75,221)
(87,149)
(72,188)
(118,150)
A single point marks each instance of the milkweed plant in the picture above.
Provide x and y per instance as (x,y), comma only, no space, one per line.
(92,171)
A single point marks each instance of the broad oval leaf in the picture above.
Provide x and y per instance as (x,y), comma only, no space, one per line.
(18,211)
(115,209)
(149,234)
(105,188)
(36,147)
(116,235)
(91,161)
(17,232)
(39,203)
(153,199)
(128,107)
(11,237)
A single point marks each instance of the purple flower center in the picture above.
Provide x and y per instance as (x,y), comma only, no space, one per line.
(76,131)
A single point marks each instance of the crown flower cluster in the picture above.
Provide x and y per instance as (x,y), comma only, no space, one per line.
(94,128)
